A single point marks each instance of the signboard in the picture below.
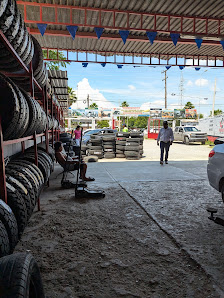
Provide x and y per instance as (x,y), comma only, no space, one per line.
(85,113)
(168,114)
(191,114)
(131,111)
(155,113)
(179,113)
(105,113)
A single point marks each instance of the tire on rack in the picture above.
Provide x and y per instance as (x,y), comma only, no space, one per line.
(32,114)
(8,219)
(4,244)
(10,109)
(20,276)
(18,206)
(23,192)
(22,179)
(41,165)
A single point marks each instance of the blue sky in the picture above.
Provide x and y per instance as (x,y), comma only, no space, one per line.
(138,85)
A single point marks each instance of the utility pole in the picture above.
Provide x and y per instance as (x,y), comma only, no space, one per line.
(165,88)
(181,86)
(213,106)
(88,101)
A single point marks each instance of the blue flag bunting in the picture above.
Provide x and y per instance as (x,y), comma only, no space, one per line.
(197,68)
(119,65)
(175,37)
(42,28)
(103,64)
(198,42)
(181,67)
(84,64)
(124,35)
(72,30)
(168,67)
(98,31)
(222,43)
(151,36)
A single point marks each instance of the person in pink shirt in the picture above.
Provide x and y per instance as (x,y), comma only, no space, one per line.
(77,133)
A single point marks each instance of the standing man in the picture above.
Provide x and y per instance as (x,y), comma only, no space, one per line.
(166,139)
(125,129)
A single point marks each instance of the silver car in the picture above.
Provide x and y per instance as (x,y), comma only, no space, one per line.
(215,168)
(188,134)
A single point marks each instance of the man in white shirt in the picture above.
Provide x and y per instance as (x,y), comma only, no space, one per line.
(166,139)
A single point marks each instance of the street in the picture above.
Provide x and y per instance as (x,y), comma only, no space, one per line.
(149,237)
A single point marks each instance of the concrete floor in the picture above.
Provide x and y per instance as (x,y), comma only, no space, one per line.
(149,209)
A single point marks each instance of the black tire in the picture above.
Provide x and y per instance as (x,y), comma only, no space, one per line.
(95,152)
(186,140)
(109,155)
(41,164)
(135,134)
(20,276)
(8,219)
(108,139)
(22,179)
(133,157)
(123,134)
(32,114)
(4,244)
(18,206)
(108,143)
(132,148)
(23,192)
(65,139)
(131,154)
(120,155)
(121,139)
(91,158)
(95,147)
(109,147)
(118,142)
(119,151)
(134,144)
(133,140)
(109,150)
(120,147)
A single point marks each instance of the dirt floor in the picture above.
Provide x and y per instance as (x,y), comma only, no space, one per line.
(149,237)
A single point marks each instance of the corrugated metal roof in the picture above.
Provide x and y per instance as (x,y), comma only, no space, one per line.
(59,83)
(195,8)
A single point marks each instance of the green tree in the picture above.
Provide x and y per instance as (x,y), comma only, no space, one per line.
(93,106)
(201,116)
(58,59)
(103,123)
(216,112)
(124,104)
(189,105)
(72,96)
(138,122)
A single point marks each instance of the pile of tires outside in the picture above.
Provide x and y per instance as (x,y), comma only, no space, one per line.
(109,145)
(120,144)
(134,146)
(95,147)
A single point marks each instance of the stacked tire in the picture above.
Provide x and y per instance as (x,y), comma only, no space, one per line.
(95,146)
(13,27)
(120,144)
(134,146)
(109,146)
(21,114)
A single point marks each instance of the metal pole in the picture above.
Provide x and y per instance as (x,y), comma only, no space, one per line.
(165,88)
(213,106)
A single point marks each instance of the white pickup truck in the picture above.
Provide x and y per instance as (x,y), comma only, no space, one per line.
(188,134)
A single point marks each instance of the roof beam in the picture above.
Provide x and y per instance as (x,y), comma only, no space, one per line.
(186,25)
(92,35)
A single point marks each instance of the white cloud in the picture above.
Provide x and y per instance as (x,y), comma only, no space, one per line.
(131,87)
(201,82)
(83,90)
(190,83)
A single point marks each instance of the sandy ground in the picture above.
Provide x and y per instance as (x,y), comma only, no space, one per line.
(149,237)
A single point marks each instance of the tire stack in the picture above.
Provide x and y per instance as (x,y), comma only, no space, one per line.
(134,146)
(21,114)
(84,150)
(13,27)
(120,144)
(95,147)
(109,146)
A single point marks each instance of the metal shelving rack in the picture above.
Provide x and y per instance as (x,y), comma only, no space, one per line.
(44,101)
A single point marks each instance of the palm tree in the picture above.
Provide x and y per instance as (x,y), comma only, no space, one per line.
(72,96)
(124,104)
(93,106)
(189,105)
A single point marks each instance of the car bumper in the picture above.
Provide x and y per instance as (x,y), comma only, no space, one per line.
(197,139)
(212,176)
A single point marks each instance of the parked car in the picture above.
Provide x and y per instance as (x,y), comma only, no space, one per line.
(86,137)
(215,168)
(188,134)
(219,141)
